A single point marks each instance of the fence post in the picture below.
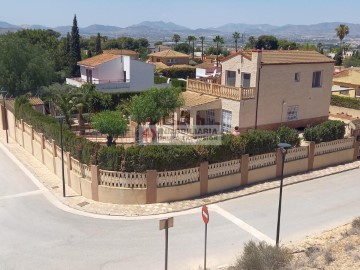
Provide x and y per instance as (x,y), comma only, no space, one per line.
(32,139)
(244,169)
(42,142)
(69,168)
(278,162)
(204,177)
(95,182)
(54,152)
(22,132)
(151,189)
(311,155)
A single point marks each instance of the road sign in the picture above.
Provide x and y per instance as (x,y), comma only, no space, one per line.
(166,223)
(205,214)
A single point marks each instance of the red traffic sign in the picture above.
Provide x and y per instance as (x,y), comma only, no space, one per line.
(205,214)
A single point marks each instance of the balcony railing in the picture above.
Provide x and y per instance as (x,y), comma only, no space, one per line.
(219,90)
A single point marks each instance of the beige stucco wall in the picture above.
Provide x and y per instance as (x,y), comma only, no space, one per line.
(224,183)
(262,174)
(37,150)
(296,166)
(122,195)
(341,110)
(48,160)
(333,158)
(177,193)
(351,94)
(85,188)
(75,182)
(279,90)
(27,142)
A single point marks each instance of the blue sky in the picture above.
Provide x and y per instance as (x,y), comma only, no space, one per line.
(190,13)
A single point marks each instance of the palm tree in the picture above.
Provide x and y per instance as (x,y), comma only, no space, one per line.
(341,32)
(218,40)
(202,38)
(193,39)
(176,38)
(236,36)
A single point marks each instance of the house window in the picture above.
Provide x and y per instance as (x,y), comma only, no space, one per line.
(226,121)
(210,117)
(316,81)
(292,113)
(246,80)
(344,92)
(171,61)
(230,78)
(89,75)
(297,77)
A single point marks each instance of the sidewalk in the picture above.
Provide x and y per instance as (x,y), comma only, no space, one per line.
(54,185)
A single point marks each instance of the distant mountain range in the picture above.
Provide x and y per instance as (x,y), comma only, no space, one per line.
(158,30)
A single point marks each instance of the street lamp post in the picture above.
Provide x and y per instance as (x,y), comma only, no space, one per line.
(4,93)
(61,118)
(284,148)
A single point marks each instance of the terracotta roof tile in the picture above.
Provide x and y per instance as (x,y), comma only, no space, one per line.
(98,60)
(169,54)
(121,52)
(348,76)
(285,57)
(192,99)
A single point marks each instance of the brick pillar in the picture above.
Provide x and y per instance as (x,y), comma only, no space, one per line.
(204,177)
(151,190)
(244,169)
(311,155)
(356,149)
(32,140)
(95,182)
(53,150)
(22,131)
(42,142)
(68,168)
(278,162)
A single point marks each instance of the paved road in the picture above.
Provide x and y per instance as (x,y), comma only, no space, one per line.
(37,235)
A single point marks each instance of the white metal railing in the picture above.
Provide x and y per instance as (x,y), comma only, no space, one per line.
(224,168)
(180,177)
(122,179)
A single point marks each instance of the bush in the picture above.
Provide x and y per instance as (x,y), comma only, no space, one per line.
(178,83)
(346,102)
(111,158)
(288,135)
(258,142)
(160,80)
(327,131)
(179,72)
(263,256)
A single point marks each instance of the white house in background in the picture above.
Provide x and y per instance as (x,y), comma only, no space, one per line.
(113,73)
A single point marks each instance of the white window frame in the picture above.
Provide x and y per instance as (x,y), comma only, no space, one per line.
(226,119)
(292,113)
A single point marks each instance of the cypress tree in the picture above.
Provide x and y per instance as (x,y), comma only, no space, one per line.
(75,48)
(98,49)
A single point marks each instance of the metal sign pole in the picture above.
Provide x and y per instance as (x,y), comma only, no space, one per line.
(166,243)
(205,246)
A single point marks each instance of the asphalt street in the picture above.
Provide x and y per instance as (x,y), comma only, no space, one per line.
(35,234)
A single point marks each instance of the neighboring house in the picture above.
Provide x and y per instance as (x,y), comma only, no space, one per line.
(169,58)
(338,90)
(262,90)
(349,78)
(113,73)
(205,70)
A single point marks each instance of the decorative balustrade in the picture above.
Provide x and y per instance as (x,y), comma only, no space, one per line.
(122,179)
(85,171)
(176,178)
(260,161)
(75,166)
(27,128)
(296,153)
(224,168)
(220,90)
(333,146)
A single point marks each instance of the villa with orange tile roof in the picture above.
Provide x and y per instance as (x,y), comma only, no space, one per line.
(169,58)
(262,90)
(115,71)
(348,78)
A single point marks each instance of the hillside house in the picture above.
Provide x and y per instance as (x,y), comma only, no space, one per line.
(169,58)
(262,90)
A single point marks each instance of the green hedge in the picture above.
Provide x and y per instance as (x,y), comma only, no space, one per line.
(346,102)
(179,72)
(328,131)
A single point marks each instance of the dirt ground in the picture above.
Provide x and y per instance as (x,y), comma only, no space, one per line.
(335,249)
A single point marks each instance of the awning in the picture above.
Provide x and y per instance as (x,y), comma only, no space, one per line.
(199,101)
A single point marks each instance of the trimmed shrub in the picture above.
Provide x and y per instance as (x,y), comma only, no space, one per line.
(312,134)
(263,256)
(111,158)
(257,142)
(160,80)
(179,72)
(347,102)
(288,135)
(327,131)
(178,83)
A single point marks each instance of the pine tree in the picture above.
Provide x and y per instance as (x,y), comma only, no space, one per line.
(98,49)
(75,48)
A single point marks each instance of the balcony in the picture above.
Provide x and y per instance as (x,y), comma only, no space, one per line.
(222,91)
(106,86)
